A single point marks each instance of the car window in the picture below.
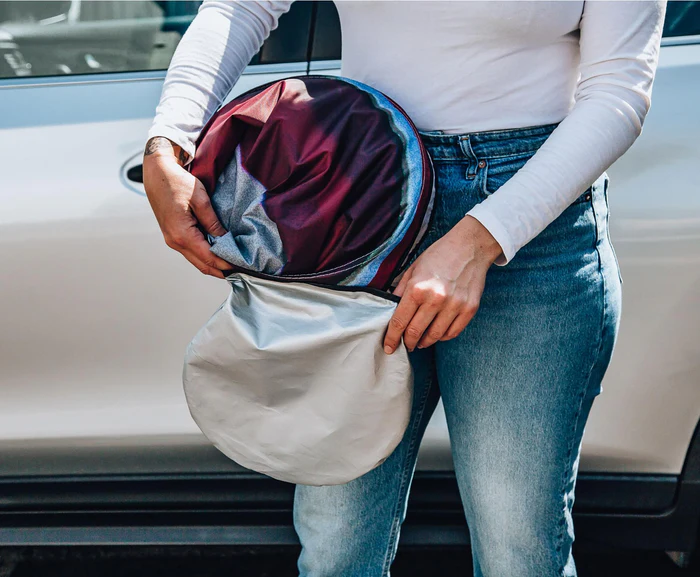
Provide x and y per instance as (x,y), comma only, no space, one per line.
(682,19)
(326,41)
(49,38)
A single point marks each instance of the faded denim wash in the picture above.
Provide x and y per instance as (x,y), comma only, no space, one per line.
(517,386)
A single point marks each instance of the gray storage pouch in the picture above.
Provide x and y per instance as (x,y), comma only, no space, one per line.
(291,380)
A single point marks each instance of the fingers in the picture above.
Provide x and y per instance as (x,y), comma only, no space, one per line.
(203,267)
(200,248)
(439,327)
(425,316)
(398,323)
(402,315)
(190,242)
(418,324)
(420,303)
(450,321)
(181,206)
(204,212)
(458,325)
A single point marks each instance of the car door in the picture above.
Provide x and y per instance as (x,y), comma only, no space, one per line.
(650,405)
(96,311)
(644,420)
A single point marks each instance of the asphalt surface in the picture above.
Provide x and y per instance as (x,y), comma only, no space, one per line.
(231,562)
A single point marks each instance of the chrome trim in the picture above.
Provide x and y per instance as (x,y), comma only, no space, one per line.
(324,65)
(135,187)
(184,534)
(179,534)
(276,68)
(681,40)
(136,76)
(148,75)
(77,79)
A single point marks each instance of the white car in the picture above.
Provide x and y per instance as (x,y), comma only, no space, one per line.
(96,442)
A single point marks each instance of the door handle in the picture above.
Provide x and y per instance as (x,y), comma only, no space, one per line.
(135,173)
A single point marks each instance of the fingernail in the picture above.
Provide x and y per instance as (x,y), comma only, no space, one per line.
(388,350)
(421,346)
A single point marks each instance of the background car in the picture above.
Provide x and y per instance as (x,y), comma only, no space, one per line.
(96,443)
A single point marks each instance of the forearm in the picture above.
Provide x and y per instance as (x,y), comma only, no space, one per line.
(582,147)
(619,52)
(160,147)
(207,63)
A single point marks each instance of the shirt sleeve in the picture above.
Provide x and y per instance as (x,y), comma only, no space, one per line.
(207,63)
(619,47)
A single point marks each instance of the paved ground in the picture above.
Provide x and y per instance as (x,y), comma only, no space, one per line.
(220,562)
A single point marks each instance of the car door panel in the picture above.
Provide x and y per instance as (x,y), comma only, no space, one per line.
(644,419)
(650,405)
(96,310)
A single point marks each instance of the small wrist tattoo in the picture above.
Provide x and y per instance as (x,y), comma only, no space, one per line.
(161,143)
(157,143)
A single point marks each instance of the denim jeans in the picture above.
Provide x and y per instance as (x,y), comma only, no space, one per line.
(517,387)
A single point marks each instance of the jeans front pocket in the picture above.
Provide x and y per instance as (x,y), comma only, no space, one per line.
(499,170)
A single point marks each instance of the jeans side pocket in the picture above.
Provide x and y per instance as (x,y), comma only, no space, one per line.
(606,185)
(601,209)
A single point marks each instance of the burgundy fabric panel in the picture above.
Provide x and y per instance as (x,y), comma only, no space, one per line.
(332,166)
(227,128)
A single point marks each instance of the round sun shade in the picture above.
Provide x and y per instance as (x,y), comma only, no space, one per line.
(317,179)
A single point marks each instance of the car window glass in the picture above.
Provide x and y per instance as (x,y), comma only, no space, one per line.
(49,38)
(682,19)
(326,38)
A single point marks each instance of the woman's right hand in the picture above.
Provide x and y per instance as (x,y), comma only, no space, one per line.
(181,205)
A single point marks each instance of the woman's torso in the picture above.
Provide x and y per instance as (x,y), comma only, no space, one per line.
(466,66)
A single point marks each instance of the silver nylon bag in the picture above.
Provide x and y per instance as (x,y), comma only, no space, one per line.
(290,379)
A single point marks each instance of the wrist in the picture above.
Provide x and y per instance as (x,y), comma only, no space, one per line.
(474,233)
(162,148)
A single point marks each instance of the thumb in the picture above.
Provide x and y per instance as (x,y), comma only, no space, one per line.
(204,212)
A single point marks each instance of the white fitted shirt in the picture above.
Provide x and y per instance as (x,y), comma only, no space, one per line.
(461,67)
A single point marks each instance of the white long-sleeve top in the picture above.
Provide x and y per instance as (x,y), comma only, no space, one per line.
(461,67)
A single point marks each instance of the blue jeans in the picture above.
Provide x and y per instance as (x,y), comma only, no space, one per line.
(517,386)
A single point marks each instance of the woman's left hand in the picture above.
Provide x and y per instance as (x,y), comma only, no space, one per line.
(440,292)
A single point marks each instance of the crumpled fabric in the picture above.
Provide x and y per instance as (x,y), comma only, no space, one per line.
(325,190)
(318,179)
(290,380)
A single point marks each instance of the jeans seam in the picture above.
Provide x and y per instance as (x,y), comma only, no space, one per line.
(616,260)
(484,181)
(410,452)
(584,388)
(568,464)
(513,155)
